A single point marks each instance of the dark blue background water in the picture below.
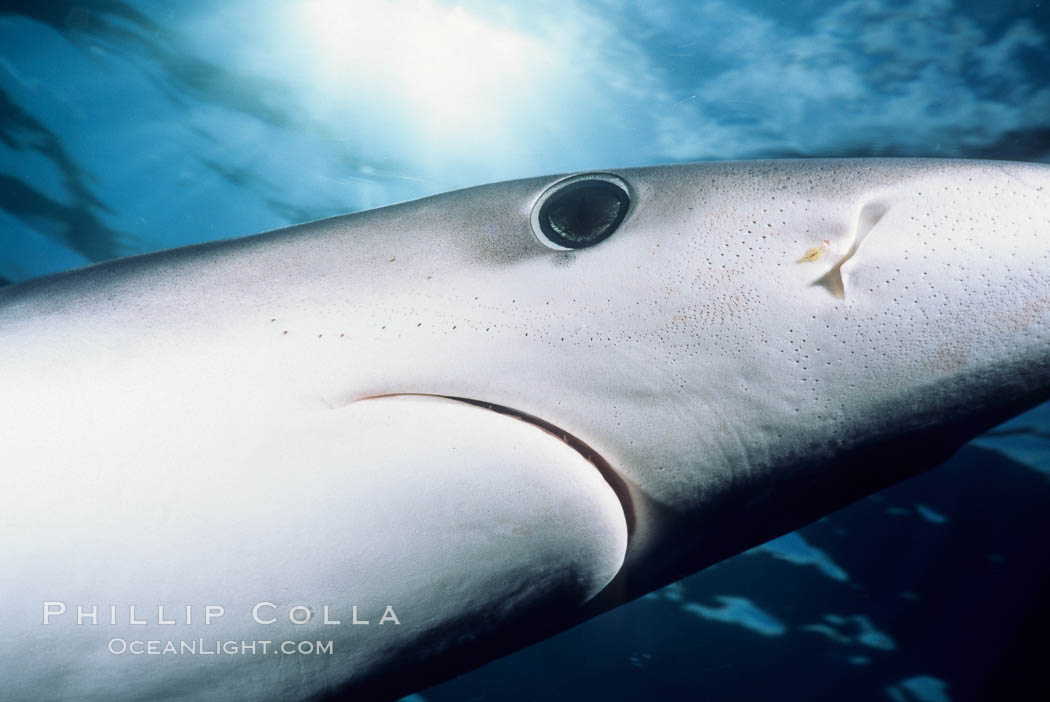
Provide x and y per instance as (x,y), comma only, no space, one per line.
(132,126)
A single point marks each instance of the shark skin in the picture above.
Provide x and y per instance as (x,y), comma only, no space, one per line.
(435,418)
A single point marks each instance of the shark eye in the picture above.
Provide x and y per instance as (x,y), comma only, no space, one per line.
(580,211)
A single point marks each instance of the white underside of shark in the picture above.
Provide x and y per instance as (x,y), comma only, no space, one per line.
(444,420)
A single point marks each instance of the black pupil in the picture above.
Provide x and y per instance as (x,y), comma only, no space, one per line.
(583,214)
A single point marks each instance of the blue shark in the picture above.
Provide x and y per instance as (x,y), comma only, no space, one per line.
(362,455)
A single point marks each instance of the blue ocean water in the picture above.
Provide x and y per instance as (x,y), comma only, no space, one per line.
(130,126)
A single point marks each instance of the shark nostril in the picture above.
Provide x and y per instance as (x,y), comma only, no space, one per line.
(867,218)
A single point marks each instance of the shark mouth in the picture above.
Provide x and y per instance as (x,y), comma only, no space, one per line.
(611,476)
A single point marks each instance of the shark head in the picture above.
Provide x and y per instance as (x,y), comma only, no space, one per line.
(719,352)
(724,340)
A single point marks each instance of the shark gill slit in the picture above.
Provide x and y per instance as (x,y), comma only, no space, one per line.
(619,486)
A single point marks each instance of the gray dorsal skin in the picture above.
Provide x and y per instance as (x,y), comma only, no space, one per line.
(266,422)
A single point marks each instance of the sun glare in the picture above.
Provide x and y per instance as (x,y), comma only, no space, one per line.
(456,73)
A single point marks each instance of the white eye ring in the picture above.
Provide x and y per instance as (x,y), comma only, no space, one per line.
(580,211)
